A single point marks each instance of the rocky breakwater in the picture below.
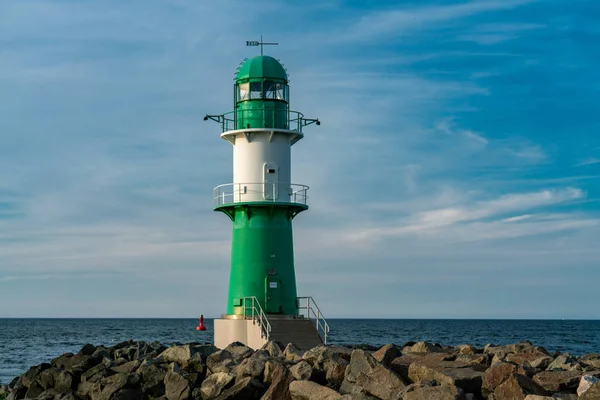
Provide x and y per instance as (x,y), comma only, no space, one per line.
(416,371)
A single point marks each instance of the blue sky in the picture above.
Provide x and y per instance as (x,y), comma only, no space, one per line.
(455,173)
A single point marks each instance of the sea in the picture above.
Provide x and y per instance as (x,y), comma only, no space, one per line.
(28,342)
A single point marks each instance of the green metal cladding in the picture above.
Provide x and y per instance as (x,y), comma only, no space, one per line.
(262,256)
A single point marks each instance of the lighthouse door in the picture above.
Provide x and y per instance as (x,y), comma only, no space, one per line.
(271,181)
(273,295)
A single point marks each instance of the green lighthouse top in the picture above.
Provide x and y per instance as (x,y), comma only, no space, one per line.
(261,67)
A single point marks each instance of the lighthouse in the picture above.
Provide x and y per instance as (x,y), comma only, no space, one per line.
(261,202)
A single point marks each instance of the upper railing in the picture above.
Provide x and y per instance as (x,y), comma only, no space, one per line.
(267,118)
(309,304)
(264,191)
(252,310)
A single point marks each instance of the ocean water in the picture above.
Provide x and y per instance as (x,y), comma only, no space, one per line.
(28,342)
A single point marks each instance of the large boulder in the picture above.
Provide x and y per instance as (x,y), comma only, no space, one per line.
(176,386)
(274,348)
(152,380)
(495,376)
(245,389)
(591,361)
(438,392)
(366,375)
(386,354)
(464,377)
(117,385)
(593,393)
(239,351)
(302,371)
(292,353)
(253,366)
(585,383)
(401,364)
(183,354)
(220,361)
(516,387)
(563,362)
(214,384)
(307,390)
(558,381)
(279,389)
(423,347)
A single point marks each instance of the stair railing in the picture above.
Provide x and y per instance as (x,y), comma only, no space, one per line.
(311,307)
(251,308)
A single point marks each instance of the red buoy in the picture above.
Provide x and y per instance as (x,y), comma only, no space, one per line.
(201,326)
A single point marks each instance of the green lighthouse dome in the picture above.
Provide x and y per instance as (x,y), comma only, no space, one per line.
(261,67)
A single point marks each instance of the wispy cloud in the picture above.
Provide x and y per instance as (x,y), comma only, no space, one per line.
(588,161)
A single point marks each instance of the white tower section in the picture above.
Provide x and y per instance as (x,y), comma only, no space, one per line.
(262,166)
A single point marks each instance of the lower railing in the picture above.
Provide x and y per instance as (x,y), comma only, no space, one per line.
(251,309)
(309,304)
(263,191)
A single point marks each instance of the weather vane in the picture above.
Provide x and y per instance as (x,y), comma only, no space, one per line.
(261,44)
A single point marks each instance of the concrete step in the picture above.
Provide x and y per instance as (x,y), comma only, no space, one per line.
(300,332)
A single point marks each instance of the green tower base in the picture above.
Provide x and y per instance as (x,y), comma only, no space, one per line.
(262,256)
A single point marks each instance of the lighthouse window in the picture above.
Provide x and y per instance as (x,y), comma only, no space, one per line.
(255,90)
(243,91)
(275,90)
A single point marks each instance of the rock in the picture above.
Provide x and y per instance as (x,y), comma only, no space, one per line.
(557,381)
(591,360)
(34,390)
(496,375)
(335,371)
(536,397)
(563,362)
(114,384)
(468,349)
(292,353)
(307,390)
(220,361)
(246,388)
(176,386)
(465,377)
(302,371)
(214,384)
(239,351)
(87,350)
(152,380)
(585,383)
(182,354)
(422,347)
(401,364)
(77,364)
(541,362)
(387,354)
(280,384)
(442,392)
(253,366)
(370,377)
(516,387)
(593,393)
(128,367)
(274,348)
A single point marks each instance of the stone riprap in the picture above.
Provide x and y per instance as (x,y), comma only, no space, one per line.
(427,371)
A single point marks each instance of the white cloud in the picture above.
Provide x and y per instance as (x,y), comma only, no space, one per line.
(588,161)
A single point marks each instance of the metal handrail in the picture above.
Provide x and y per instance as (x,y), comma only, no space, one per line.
(294,120)
(311,306)
(257,315)
(262,191)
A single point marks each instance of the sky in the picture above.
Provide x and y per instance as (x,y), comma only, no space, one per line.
(455,173)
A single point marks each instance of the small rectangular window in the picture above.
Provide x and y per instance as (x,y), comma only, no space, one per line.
(243,95)
(256,90)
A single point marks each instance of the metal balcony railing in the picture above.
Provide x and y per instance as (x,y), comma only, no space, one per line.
(265,191)
(265,118)
(309,304)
